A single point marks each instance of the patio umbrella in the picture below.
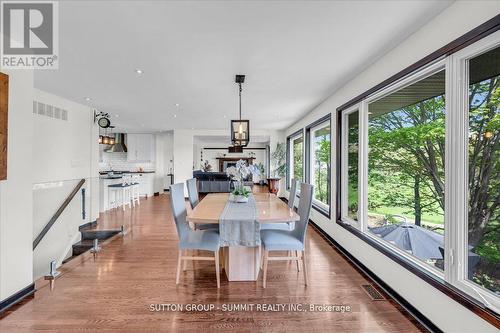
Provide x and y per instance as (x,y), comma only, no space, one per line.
(422,243)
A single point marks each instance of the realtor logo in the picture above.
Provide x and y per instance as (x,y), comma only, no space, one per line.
(29,35)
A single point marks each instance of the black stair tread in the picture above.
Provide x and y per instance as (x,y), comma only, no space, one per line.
(69,259)
(99,234)
(85,242)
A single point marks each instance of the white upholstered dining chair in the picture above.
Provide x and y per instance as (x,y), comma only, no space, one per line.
(291,202)
(193,201)
(205,240)
(292,241)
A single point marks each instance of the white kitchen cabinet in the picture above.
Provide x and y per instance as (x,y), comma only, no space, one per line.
(141,148)
(146,183)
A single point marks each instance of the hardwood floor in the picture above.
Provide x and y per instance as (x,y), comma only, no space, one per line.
(114,292)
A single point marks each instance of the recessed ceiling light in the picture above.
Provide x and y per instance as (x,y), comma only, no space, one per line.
(175,116)
(177,104)
(139,71)
(224,116)
(117,115)
(87,99)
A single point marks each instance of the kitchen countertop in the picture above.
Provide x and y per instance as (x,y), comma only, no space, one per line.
(118,172)
(111,177)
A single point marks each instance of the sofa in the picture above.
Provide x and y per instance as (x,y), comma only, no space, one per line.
(212,182)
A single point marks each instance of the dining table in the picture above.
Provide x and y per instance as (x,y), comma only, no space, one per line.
(242,263)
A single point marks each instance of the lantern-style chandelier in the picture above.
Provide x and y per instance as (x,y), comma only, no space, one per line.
(240,129)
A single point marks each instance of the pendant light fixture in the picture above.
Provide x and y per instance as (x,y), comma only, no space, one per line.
(240,129)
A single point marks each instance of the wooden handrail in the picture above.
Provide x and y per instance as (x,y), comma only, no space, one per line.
(58,213)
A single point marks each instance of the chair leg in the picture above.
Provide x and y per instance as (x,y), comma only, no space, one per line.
(304,265)
(298,260)
(110,206)
(261,256)
(123,199)
(178,267)
(264,273)
(184,266)
(217,268)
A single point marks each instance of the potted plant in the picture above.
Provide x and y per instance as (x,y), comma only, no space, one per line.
(239,173)
(240,194)
(262,171)
(279,167)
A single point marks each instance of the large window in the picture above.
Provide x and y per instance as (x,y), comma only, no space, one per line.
(295,146)
(483,209)
(350,177)
(406,152)
(319,162)
(420,169)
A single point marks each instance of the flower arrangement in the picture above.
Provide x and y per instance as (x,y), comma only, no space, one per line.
(239,173)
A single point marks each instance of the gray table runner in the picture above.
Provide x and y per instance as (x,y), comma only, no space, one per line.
(238,224)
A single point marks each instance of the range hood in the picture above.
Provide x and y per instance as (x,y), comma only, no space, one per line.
(119,146)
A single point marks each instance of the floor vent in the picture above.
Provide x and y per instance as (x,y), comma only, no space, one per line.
(372,292)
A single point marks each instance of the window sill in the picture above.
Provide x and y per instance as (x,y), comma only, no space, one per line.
(449,290)
(322,210)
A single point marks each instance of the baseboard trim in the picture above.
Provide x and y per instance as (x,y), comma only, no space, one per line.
(17,297)
(412,311)
(88,225)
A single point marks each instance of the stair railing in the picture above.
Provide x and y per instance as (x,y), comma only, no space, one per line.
(58,213)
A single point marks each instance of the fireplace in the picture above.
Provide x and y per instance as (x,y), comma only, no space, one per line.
(226,162)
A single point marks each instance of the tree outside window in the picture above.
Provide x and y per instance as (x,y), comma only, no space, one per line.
(297,149)
(320,162)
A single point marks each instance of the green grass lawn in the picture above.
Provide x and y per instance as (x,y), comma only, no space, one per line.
(429,218)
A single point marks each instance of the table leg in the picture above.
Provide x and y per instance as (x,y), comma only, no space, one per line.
(241,263)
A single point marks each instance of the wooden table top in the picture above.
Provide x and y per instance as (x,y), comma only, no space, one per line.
(270,209)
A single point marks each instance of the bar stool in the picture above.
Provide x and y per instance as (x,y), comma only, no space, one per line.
(135,190)
(133,181)
(122,191)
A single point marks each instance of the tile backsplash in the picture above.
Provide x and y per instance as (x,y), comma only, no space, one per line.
(118,161)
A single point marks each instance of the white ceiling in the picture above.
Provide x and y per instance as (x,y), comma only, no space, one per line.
(295,54)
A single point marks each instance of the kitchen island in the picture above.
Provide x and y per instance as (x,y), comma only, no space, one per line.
(144,178)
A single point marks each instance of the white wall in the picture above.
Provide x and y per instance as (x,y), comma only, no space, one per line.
(64,149)
(63,153)
(164,160)
(183,157)
(16,236)
(456,20)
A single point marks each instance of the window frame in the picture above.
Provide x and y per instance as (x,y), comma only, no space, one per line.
(458,126)
(452,281)
(344,145)
(289,165)
(326,120)
(362,224)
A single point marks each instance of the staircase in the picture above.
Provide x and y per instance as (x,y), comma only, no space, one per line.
(87,242)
